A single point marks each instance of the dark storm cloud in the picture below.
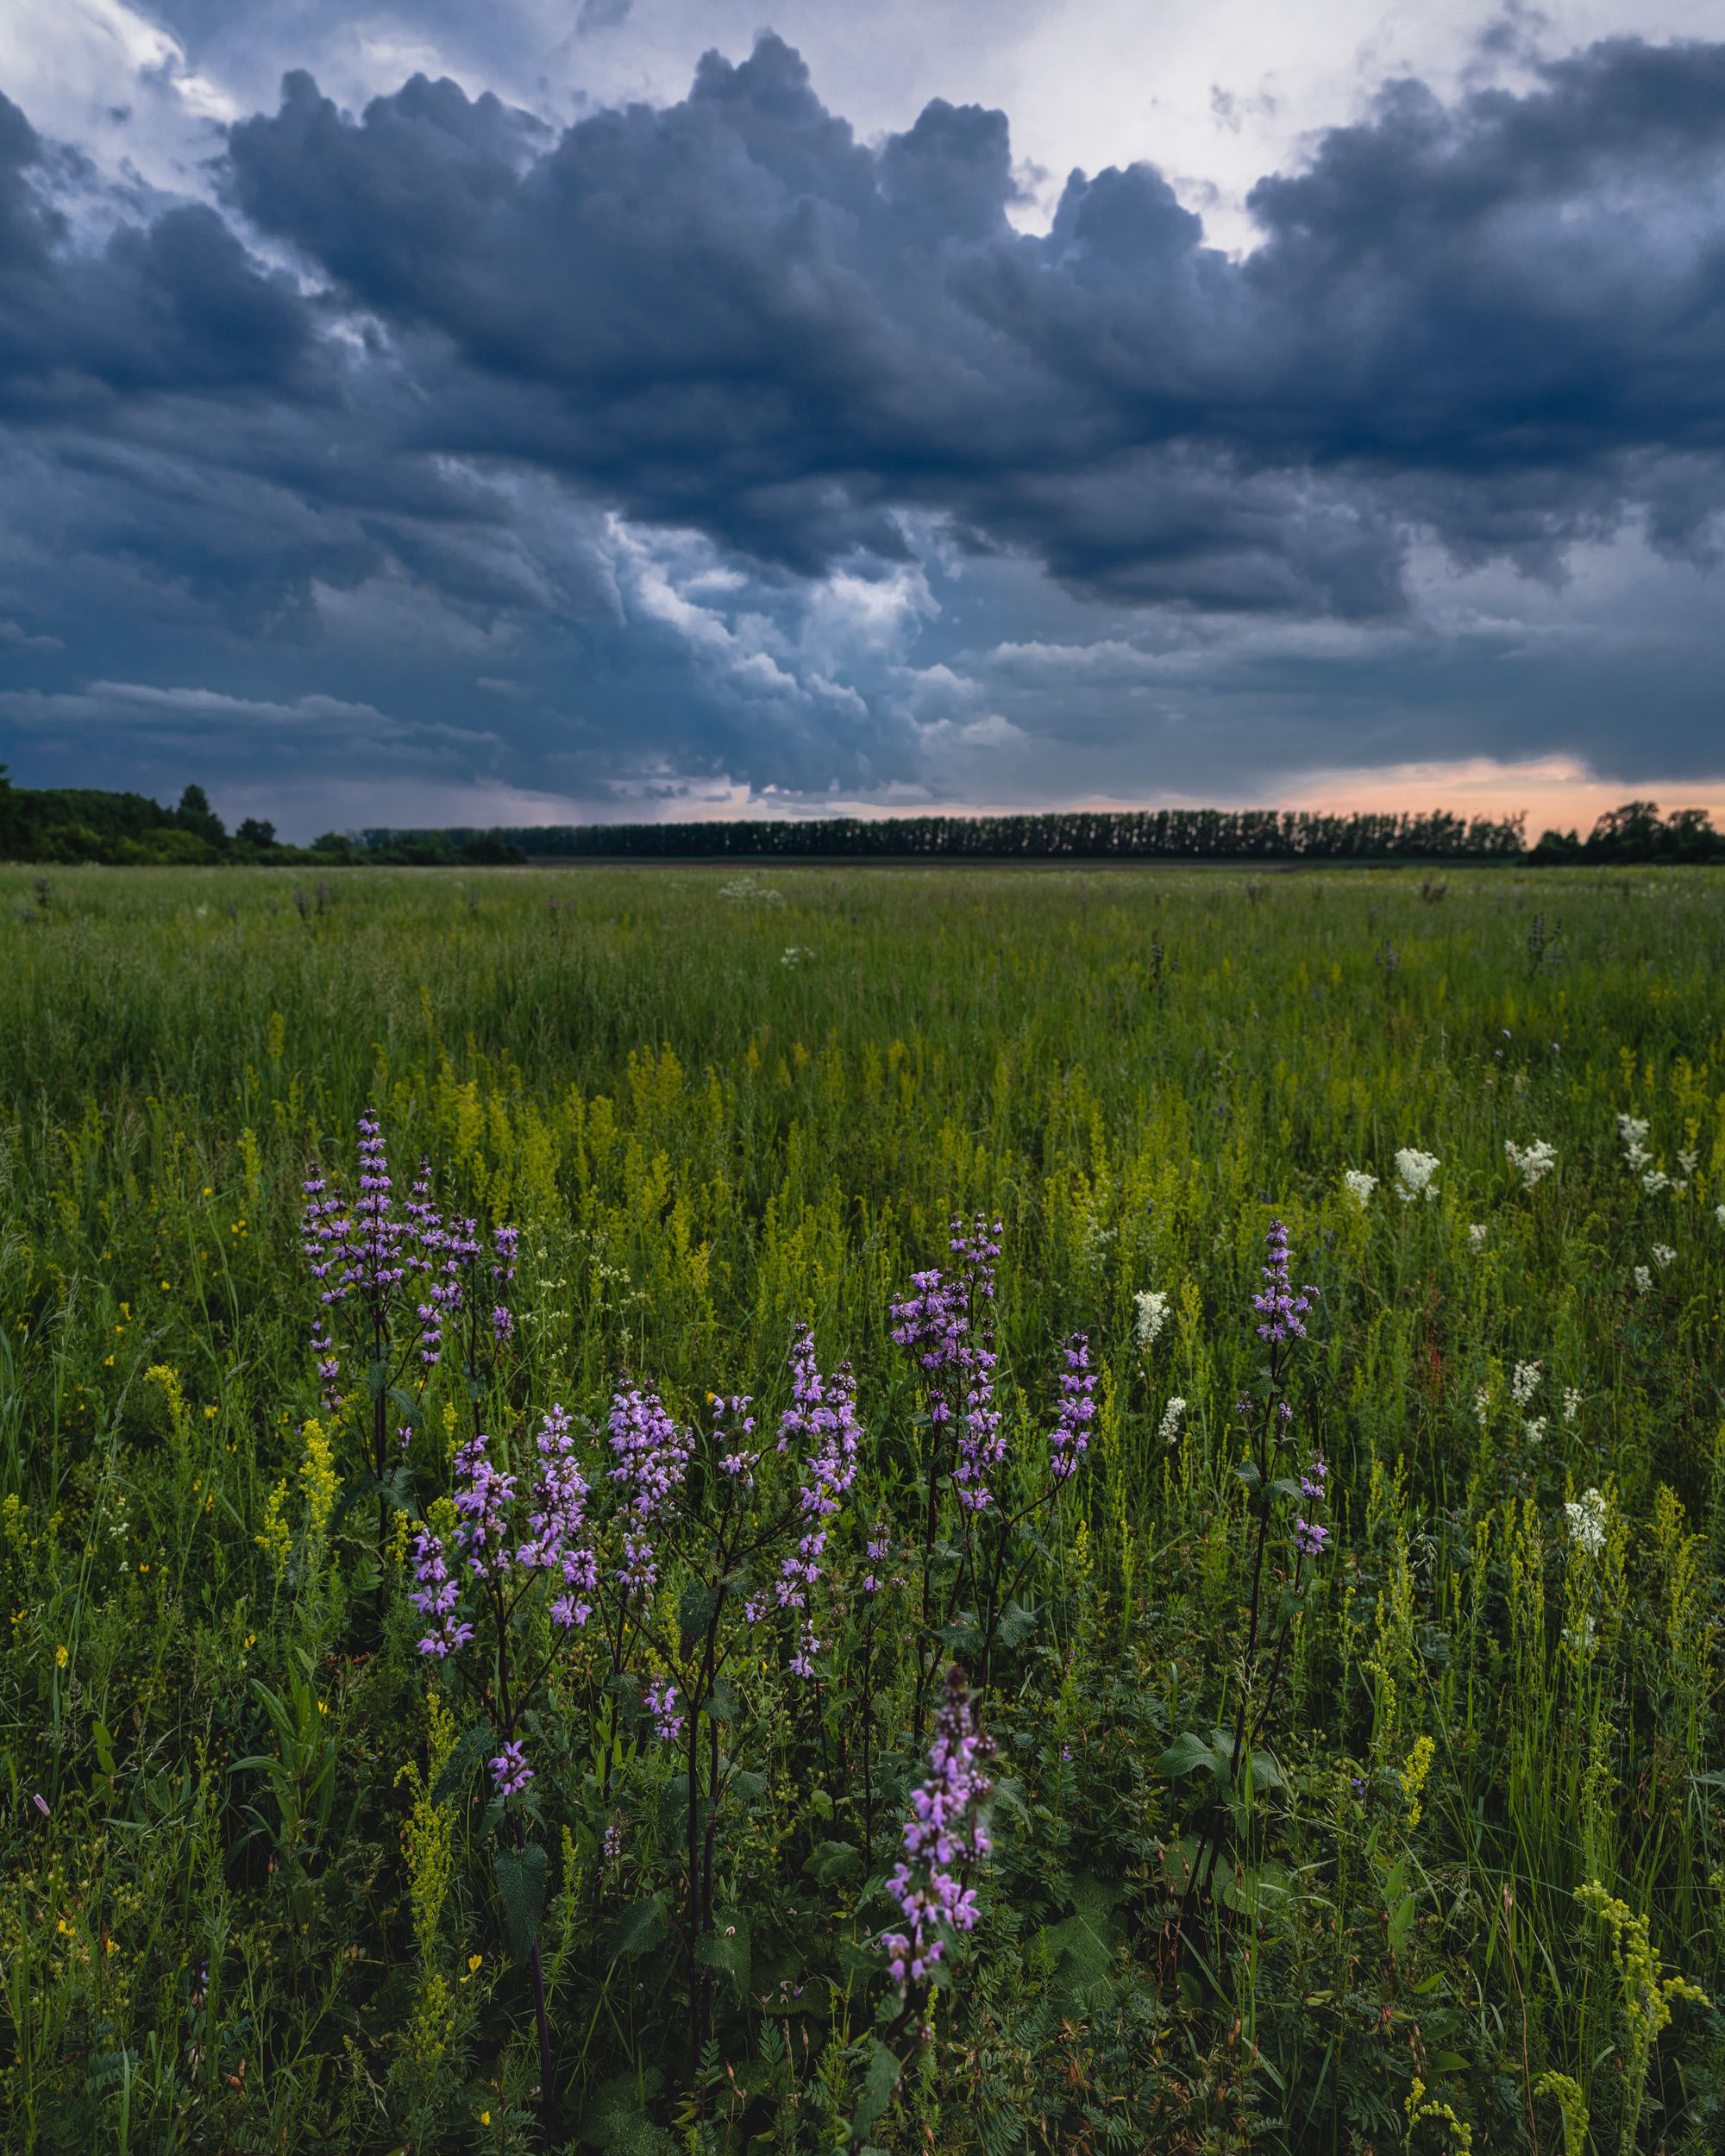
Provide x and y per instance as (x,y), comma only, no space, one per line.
(380,406)
(1504,320)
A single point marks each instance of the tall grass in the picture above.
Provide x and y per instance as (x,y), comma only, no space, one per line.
(250,1894)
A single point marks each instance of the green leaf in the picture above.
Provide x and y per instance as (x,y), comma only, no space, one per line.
(833,1861)
(521,1888)
(1265,1774)
(748,1783)
(726,1949)
(879,2084)
(721,1701)
(1017,1624)
(696,1607)
(639,1927)
(1189,1752)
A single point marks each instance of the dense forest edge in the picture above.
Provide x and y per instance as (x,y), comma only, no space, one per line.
(65,826)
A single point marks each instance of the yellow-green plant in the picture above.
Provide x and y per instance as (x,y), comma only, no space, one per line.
(1645,1993)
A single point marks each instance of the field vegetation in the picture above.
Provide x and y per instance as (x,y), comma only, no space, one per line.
(962,1510)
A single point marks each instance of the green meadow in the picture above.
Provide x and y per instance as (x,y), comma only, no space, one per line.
(1350,1714)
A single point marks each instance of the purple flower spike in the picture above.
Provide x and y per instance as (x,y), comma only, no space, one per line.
(1309,1539)
(945,1838)
(1282,1311)
(1069,1437)
(509,1771)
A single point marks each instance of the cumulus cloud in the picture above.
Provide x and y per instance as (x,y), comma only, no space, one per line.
(699,439)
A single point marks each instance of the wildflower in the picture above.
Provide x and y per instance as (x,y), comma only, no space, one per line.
(1534,1429)
(1633,1130)
(509,1771)
(1572,1403)
(652,1454)
(1644,1281)
(1532,1162)
(1312,1478)
(1413,1173)
(1718,1214)
(1281,1308)
(1663,1255)
(1152,1305)
(61,1658)
(1068,1439)
(794,955)
(1586,1517)
(1525,1383)
(660,1700)
(1358,1185)
(945,1838)
(1655,1181)
(1688,1160)
(825,1413)
(557,1538)
(947,1323)
(1475,1236)
(435,1596)
(1482,1405)
(1172,1415)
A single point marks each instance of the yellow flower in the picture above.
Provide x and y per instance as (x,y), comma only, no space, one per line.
(473,1961)
(61,1658)
(485,2118)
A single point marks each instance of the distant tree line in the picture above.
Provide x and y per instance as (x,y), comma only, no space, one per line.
(67,824)
(75,823)
(1121,835)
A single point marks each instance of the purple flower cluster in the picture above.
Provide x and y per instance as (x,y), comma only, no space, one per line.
(435,1595)
(397,1275)
(824,1415)
(509,1771)
(485,1506)
(660,1700)
(1309,1536)
(947,1322)
(557,1538)
(1282,1311)
(945,1838)
(1069,1437)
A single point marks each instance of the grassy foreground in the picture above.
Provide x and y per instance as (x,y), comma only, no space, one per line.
(1371,1806)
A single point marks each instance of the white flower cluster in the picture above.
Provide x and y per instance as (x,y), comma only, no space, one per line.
(1719,1215)
(1633,1130)
(1533,1163)
(795,954)
(1359,1186)
(1525,1383)
(1644,1281)
(1482,1405)
(1475,1235)
(1413,1173)
(1172,1415)
(1572,1403)
(1663,1255)
(1586,1517)
(1152,1314)
(749,890)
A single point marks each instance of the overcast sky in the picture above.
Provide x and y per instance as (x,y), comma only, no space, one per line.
(435,413)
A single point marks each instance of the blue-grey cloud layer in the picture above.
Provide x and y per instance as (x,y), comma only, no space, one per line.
(435,352)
